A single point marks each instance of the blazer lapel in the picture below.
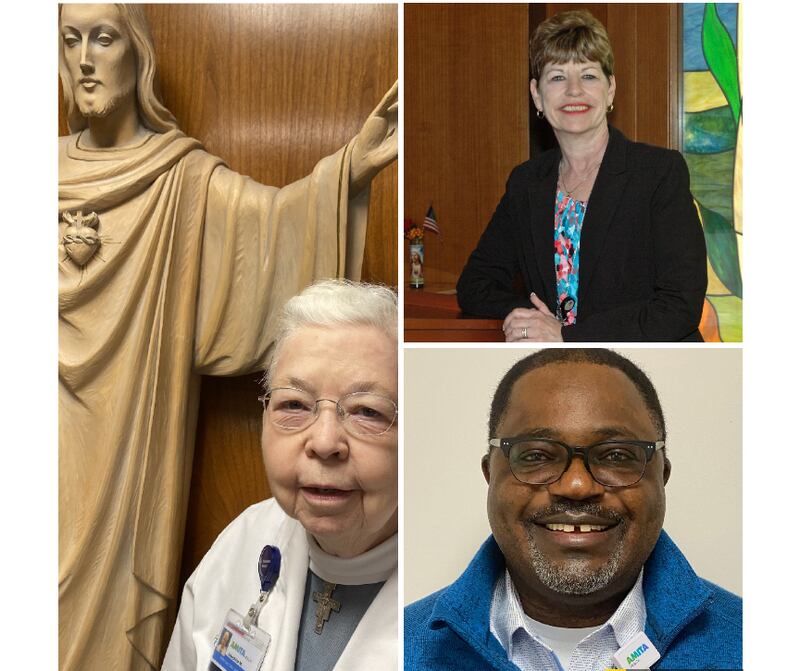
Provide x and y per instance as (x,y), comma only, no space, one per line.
(542,195)
(603,203)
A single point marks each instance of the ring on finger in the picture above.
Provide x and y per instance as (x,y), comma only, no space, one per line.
(524,332)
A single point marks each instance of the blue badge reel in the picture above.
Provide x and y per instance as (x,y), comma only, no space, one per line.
(241,645)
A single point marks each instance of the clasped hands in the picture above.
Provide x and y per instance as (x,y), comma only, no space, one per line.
(536,324)
(375,146)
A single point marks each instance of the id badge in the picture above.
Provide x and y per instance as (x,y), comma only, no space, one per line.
(638,653)
(238,648)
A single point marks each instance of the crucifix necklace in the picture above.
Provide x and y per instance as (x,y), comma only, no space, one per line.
(325,604)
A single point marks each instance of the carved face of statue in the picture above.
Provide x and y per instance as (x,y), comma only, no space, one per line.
(100,58)
(339,484)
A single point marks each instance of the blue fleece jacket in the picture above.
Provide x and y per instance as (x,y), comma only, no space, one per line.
(693,623)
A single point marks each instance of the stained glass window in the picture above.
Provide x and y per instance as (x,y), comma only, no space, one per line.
(712,146)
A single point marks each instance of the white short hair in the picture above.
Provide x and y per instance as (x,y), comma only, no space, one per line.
(329,303)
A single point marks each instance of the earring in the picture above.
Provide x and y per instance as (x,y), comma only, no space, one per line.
(539,114)
(610,108)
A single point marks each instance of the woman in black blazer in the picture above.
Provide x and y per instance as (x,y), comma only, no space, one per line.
(603,231)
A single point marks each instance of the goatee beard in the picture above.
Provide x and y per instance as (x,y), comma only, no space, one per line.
(577,576)
(94,111)
(101,109)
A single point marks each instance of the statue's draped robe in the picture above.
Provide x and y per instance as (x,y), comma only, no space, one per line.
(194,264)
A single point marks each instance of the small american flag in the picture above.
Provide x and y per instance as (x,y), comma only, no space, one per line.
(430,221)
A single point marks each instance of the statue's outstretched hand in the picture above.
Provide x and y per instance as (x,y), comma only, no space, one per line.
(375,146)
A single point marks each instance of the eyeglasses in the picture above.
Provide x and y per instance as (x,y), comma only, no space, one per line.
(612,463)
(362,413)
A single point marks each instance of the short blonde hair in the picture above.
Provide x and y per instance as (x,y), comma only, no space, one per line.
(570,36)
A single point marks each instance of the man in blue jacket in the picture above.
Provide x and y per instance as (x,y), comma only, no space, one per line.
(578,574)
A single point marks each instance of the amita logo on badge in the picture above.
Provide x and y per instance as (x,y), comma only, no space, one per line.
(638,653)
(240,650)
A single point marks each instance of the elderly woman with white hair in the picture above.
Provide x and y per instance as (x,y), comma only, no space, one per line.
(307,580)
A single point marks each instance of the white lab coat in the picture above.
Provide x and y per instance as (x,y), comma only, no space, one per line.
(227,577)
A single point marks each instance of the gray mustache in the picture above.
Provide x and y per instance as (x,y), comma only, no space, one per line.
(577,508)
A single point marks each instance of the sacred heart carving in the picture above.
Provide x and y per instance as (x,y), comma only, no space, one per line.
(80,238)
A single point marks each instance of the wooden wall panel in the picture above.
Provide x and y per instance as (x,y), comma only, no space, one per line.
(620,22)
(271,89)
(227,474)
(466,120)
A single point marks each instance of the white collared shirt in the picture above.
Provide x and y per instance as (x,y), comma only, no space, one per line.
(533,646)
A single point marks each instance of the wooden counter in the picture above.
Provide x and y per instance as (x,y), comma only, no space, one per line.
(436,317)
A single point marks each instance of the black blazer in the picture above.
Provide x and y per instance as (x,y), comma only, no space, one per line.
(643,254)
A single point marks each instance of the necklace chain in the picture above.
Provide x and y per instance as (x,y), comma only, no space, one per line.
(569,192)
(588,174)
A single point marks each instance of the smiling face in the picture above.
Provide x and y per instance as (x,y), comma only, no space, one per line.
(341,488)
(100,59)
(574,96)
(613,530)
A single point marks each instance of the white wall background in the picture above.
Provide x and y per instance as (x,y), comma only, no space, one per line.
(447,397)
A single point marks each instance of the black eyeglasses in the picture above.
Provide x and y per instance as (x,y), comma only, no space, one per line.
(612,463)
(361,413)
